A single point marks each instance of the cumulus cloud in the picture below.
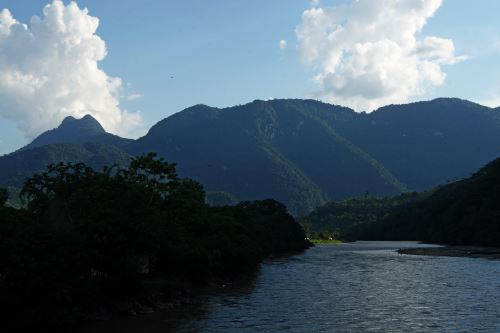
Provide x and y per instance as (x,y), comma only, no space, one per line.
(491,101)
(369,53)
(282,44)
(50,70)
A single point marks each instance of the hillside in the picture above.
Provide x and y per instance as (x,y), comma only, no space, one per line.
(464,212)
(282,149)
(425,144)
(16,167)
(300,152)
(75,140)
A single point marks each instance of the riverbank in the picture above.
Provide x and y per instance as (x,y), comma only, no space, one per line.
(455,251)
(325,241)
(155,312)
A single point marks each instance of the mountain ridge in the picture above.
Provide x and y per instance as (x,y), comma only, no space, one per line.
(305,152)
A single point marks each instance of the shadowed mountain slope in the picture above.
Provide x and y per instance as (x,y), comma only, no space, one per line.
(428,143)
(282,149)
(16,167)
(79,131)
(300,152)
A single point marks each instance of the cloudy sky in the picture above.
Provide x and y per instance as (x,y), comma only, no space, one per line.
(131,63)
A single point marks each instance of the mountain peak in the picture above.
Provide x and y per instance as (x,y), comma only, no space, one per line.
(87,124)
(68,119)
(71,130)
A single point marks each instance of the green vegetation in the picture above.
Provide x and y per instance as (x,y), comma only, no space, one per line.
(343,219)
(465,212)
(325,241)
(85,238)
(221,199)
(16,167)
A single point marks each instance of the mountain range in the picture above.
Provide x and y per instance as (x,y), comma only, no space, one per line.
(300,152)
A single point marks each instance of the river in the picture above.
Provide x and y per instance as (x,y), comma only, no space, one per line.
(356,287)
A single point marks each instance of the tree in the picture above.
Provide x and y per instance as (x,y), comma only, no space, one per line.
(3,196)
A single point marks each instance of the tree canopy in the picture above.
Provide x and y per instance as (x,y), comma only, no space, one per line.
(83,236)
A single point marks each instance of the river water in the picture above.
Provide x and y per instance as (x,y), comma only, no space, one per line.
(357,287)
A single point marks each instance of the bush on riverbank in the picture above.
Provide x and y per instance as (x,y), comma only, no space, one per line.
(88,237)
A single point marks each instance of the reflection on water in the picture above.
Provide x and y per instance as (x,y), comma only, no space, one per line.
(359,287)
(362,287)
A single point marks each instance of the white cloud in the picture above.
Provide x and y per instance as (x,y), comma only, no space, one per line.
(133,97)
(367,53)
(282,44)
(492,101)
(50,70)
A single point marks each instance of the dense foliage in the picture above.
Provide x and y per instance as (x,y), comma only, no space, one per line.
(466,212)
(344,219)
(87,237)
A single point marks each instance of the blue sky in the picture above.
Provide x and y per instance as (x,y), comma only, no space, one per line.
(221,53)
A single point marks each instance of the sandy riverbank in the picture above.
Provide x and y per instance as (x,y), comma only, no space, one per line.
(455,251)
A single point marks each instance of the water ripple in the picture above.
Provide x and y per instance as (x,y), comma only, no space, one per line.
(361,287)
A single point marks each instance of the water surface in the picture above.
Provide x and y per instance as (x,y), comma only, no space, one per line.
(358,287)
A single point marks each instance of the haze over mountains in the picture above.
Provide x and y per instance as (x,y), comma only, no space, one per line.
(300,152)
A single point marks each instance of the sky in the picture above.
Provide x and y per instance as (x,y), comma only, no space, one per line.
(132,63)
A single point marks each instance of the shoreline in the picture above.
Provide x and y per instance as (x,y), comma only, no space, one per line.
(325,241)
(151,311)
(455,251)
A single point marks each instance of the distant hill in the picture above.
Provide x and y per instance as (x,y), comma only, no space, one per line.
(78,131)
(75,140)
(303,152)
(428,143)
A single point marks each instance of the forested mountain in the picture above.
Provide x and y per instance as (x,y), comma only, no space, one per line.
(301,152)
(425,144)
(16,167)
(287,150)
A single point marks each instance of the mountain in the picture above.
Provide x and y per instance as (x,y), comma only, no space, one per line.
(303,152)
(300,152)
(428,143)
(78,131)
(284,149)
(75,140)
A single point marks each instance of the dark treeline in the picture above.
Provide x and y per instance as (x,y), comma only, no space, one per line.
(85,237)
(344,219)
(466,212)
